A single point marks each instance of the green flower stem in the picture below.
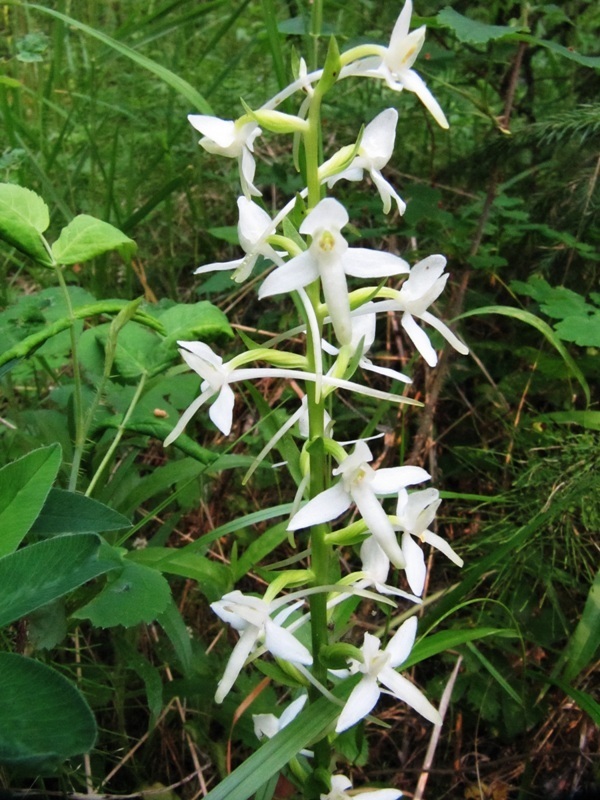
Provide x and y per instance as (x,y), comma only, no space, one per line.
(120,431)
(318,460)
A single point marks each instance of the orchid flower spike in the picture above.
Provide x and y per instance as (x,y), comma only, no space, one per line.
(251,616)
(254,228)
(340,783)
(330,259)
(361,484)
(393,64)
(414,514)
(233,139)
(376,148)
(378,667)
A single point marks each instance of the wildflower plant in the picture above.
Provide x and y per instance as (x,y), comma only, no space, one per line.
(305,244)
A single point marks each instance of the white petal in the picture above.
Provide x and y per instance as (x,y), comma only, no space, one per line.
(363,263)
(218,266)
(442,545)
(253,223)
(221,411)
(362,699)
(404,690)
(292,711)
(402,53)
(324,507)
(378,139)
(402,25)
(378,523)
(265,725)
(453,340)
(387,192)
(339,783)
(386,371)
(414,83)
(247,167)
(390,479)
(420,339)
(415,564)
(282,644)
(335,293)
(201,351)
(374,561)
(221,131)
(424,274)
(236,661)
(401,643)
(187,415)
(326,215)
(296,273)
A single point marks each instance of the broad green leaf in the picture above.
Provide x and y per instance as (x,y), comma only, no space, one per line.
(47,627)
(180,85)
(583,645)
(45,719)
(191,321)
(137,594)
(86,237)
(24,486)
(23,218)
(173,625)
(472,31)
(543,328)
(70,512)
(40,573)
(214,579)
(565,52)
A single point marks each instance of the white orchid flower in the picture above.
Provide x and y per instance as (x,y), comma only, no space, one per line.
(414,514)
(361,484)
(363,330)
(378,667)
(393,64)
(254,228)
(268,725)
(340,783)
(330,259)
(251,616)
(424,285)
(376,148)
(233,139)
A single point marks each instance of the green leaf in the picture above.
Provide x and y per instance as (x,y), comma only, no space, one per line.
(435,643)
(214,579)
(583,645)
(45,719)
(23,218)
(500,680)
(38,574)
(584,700)
(543,328)
(565,52)
(191,321)
(86,237)
(138,594)
(173,625)
(472,31)
(70,512)
(24,486)
(587,419)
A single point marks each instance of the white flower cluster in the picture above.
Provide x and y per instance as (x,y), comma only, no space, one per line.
(319,255)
